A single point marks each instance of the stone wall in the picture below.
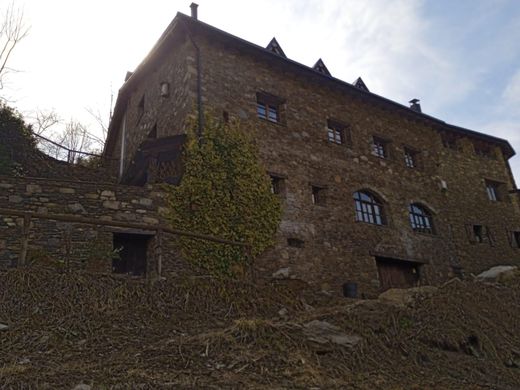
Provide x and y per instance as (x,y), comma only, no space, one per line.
(91,246)
(335,248)
(167,113)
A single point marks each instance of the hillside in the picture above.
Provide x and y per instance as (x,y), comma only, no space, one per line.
(64,329)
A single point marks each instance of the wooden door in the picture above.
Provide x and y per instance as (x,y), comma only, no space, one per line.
(131,257)
(397,273)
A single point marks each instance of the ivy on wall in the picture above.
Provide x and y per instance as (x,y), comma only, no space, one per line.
(224,192)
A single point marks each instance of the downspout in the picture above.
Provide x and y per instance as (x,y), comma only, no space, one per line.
(123,148)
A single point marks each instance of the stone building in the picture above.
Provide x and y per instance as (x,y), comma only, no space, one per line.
(374,192)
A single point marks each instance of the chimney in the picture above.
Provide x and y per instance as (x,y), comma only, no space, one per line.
(414,105)
(194,7)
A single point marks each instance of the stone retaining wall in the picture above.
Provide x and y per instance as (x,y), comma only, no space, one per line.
(90,246)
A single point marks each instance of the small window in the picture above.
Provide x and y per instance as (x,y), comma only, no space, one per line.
(410,158)
(336,132)
(478,233)
(494,190)
(277,185)
(368,208)
(420,219)
(318,195)
(515,239)
(380,147)
(268,107)
(295,243)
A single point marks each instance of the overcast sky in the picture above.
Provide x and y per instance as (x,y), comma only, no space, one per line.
(461,58)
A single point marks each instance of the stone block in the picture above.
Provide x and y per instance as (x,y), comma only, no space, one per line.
(33,188)
(15,199)
(112,204)
(150,220)
(66,190)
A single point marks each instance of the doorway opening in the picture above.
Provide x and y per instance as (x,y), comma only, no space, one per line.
(130,253)
(395,273)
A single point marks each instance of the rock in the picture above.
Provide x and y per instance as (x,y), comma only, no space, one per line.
(82,386)
(76,208)
(282,273)
(145,202)
(111,204)
(495,273)
(150,220)
(3,327)
(67,190)
(15,199)
(108,194)
(405,296)
(33,188)
(323,332)
(283,312)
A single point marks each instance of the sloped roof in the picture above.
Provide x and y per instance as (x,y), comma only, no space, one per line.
(194,25)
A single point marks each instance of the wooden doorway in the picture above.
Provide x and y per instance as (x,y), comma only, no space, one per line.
(131,257)
(394,273)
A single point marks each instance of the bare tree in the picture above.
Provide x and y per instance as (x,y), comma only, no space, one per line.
(12,31)
(44,121)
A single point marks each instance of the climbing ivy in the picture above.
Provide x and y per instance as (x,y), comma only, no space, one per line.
(224,192)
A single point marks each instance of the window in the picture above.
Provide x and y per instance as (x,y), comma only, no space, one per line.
(295,243)
(515,239)
(318,195)
(267,111)
(478,233)
(268,107)
(336,132)
(410,158)
(380,147)
(492,191)
(420,219)
(277,185)
(368,208)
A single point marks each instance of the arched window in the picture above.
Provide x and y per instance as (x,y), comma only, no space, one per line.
(420,219)
(368,208)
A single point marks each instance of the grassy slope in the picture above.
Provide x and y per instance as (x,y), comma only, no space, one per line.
(68,328)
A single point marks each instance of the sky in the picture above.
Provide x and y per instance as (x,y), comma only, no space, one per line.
(460,58)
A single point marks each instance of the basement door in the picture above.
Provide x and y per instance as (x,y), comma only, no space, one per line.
(131,253)
(394,273)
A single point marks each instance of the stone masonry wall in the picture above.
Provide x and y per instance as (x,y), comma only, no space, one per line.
(167,113)
(91,245)
(337,248)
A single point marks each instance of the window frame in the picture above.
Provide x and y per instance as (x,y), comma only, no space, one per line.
(494,190)
(369,210)
(337,128)
(318,194)
(380,147)
(411,157)
(421,219)
(278,185)
(269,107)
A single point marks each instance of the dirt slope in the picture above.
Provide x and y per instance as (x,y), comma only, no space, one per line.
(70,328)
